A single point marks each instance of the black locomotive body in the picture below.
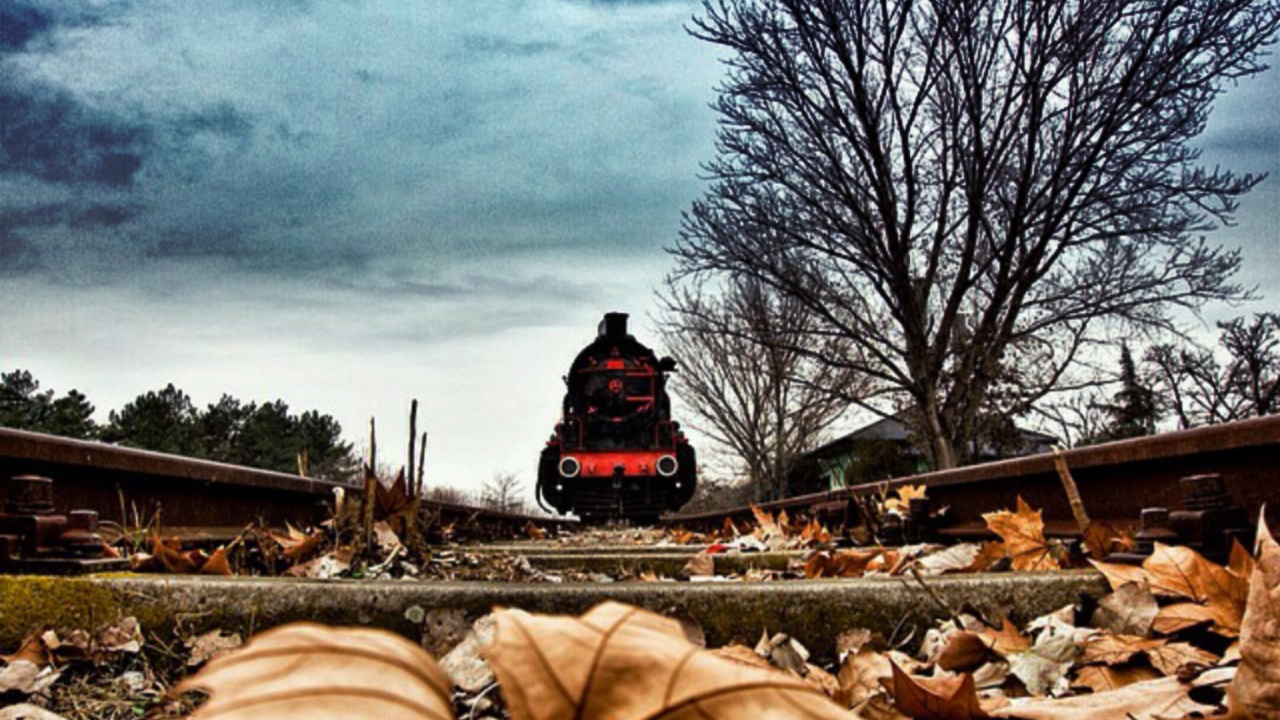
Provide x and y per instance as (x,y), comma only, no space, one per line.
(616,453)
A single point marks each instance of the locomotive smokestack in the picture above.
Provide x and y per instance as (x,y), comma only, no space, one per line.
(613,325)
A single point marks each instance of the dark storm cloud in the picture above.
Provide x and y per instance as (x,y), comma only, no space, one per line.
(49,134)
(24,24)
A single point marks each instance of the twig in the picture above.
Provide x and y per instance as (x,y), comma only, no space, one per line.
(950,611)
(1073,492)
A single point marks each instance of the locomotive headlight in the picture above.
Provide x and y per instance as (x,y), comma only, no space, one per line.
(667,465)
(570,467)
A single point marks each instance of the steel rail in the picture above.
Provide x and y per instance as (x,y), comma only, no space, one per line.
(206,498)
(1116,480)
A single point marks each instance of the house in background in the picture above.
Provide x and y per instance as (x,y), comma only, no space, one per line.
(884,450)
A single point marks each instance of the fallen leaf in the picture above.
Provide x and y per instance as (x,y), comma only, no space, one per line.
(168,554)
(26,711)
(1101,539)
(1023,536)
(846,563)
(949,698)
(859,676)
(533,531)
(1008,639)
(700,565)
(217,564)
(625,663)
(298,546)
(308,670)
(1118,575)
(1103,678)
(964,652)
(210,645)
(464,664)
(1043,666)
(1109,649)
(121,636)
(1149,700)
(956,558)
(1169,657)
(1256,687)
(1130,610)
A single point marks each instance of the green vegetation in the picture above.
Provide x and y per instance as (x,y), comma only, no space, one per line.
(264,436)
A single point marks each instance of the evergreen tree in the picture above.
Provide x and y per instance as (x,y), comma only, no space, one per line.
(22,405)
(72,416)
(1134,409)
(164,421)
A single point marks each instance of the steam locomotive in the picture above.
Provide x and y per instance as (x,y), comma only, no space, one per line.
(616,453)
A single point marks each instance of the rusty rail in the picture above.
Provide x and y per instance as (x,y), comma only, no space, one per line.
(1116,480)
(197,498)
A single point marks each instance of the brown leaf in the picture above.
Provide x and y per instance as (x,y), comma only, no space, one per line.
(533,531)
(956,558)
(700,565)
(1007,640)
(1178,571)
(1256,687)
(298,546)
(964,652)
(1169,657)
(859,676)
(390,501)
(1130,610)
(625,663)
(1118,575)
(953,698)
(217,564)
(846,563)
(210,645)
(1101,538)
(1180,616)
(312,671)
(1116,649)
(1102,678)
(1023,536)
(1163,698)
(168,554)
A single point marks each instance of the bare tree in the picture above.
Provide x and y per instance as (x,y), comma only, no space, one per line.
(1241,380)
(973,193)
(754,394)
(502,493)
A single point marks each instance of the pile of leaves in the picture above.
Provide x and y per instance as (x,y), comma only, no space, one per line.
(1117,660)
(111,673)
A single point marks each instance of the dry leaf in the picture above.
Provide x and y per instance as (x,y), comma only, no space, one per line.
(1007,640)
(1102,678)
(846,563)
(1043,666)
(1101,539)
(1169,657)
(700,565)
(953,698)
(1118,575)
(1149,700)
(1256,687)
(957,558)
(210,645)
(964,652)
(533,531)
(168,554)
(1130,610)
(625,663)
(1110,649)
(1023,536)
(321,673)
(859,676)
(217,564)
(297,545)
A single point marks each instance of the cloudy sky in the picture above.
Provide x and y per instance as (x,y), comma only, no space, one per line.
(350,204)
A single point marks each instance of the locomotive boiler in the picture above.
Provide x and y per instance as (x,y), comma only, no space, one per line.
(616,453)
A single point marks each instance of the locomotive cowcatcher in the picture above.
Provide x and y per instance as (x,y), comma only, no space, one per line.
(616,453)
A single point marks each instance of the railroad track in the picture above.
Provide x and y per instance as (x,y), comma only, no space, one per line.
(1117,481)
(198,500)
